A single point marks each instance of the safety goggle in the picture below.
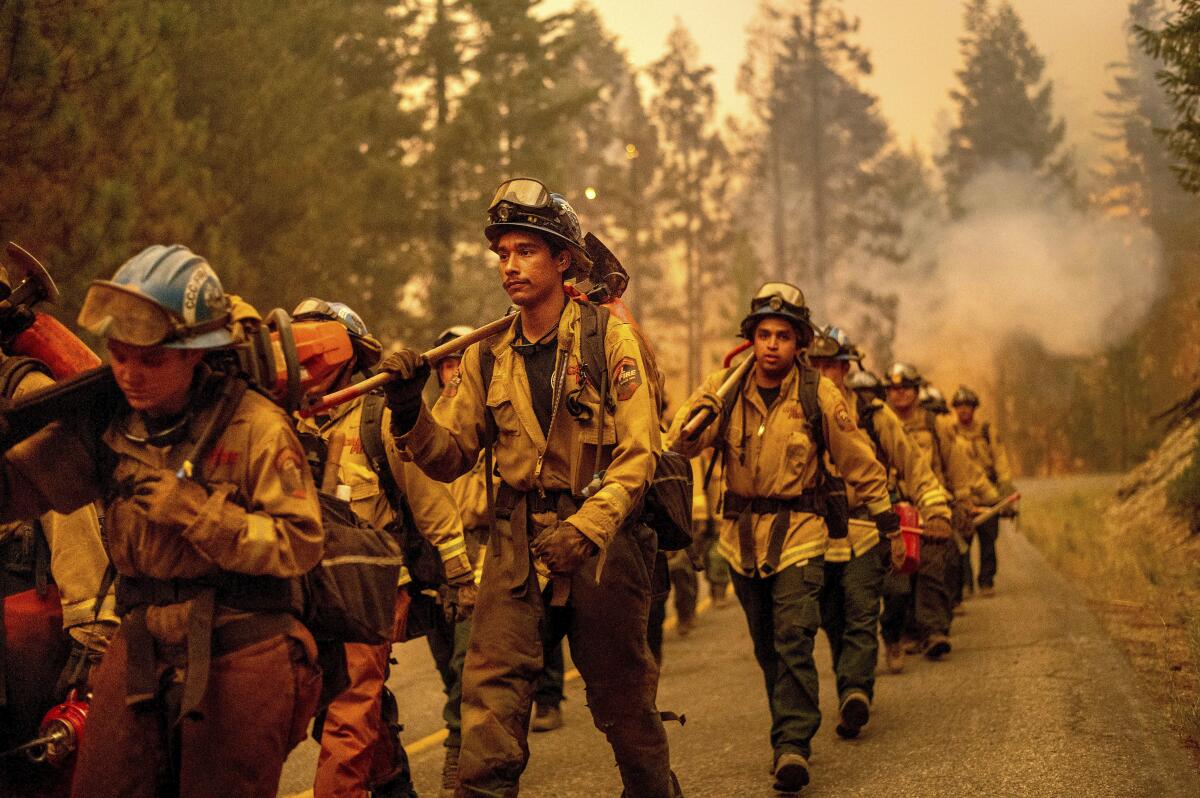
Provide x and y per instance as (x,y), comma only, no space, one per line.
(313,307)
(523,191)
(778,296)
(120,313)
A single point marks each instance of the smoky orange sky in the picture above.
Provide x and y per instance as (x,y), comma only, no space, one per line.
(914,46)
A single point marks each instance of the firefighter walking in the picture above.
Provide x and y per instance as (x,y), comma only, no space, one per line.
(772,435)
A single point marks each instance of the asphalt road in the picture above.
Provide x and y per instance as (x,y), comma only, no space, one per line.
(1035,700)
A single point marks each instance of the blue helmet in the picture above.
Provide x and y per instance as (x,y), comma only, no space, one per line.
(163,296)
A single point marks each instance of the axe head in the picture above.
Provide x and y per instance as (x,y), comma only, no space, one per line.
(34,283)
(606,269)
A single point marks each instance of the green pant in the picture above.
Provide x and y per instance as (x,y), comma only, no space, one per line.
(850,614)
(783,612)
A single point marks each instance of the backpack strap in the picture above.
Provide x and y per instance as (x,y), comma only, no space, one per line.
(370,433)
(487,366)
(987,432)
(591,350)
(866,419)
(810,378)
(938,455)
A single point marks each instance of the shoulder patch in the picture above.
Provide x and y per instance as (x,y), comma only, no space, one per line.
(288,464)
(842,415)
(627,378)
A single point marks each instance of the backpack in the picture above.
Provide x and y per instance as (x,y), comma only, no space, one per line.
(667,505)
(350,595)
(420,556)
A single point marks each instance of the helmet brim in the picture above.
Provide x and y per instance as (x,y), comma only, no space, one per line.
(581,262)
(752,319)
(216,339)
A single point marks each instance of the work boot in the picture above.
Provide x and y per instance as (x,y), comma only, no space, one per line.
(895,658)
(987,591)
(399,787)
(547,718)
(936,646)
(686,625)
(853,714)
(791,772)
(449,773)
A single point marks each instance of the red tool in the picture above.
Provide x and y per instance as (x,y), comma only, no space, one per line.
(59,735)
(910,533)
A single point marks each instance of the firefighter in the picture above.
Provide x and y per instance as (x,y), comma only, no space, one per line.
(989,453)
(772,436)
(568,554)
(361,752)
(931,597)
(855,567)
(204,562)
(66,552)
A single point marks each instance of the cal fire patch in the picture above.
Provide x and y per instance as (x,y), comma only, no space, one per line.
(627,377)
(843,418)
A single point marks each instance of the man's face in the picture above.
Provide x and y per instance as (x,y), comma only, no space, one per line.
(965,413)
(775,346)
(154,379)
(446,369)
(529,273)
(901,398)
(834,370)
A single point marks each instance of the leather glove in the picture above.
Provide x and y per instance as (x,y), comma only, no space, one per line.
(464,600)
(563,548)
(168,500)
(404,391)
(938,528)
(887,522)
(89,641)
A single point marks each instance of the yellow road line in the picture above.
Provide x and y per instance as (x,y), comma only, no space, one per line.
(438,737)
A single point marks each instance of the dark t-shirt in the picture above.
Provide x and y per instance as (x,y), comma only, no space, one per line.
(539,368)
(769,395)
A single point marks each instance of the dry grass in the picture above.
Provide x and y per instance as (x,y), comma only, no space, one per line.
(1141,573)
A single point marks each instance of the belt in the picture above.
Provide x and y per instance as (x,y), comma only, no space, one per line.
(270,597)
(744,508)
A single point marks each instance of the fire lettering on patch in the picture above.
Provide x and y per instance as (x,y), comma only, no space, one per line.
(287,465)
(627,378)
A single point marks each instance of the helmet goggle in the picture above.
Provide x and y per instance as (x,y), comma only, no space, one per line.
(314,308)
(523,191)
(123,314)
(780,297)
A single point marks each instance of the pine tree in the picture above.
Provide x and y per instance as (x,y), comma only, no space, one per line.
(694,188)
(89,144)
(1005,111)
(821,141)
(1177,46)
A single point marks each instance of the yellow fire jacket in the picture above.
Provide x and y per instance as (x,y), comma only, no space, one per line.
(908,469)
(988,451)
(770,454)
(949,456)
(446,442)
(261,517)
(432,505)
